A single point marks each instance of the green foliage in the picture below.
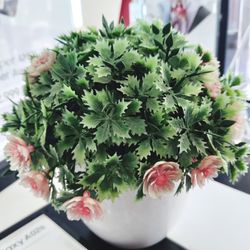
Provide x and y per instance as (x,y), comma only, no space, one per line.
(112,176)
(117,100)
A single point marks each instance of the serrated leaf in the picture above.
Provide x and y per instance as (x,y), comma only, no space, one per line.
(159,147)
(191,89)
(91,120)
(103,79)
(168,132)
(241,166)
(90,144)
(118,140)
(130,87)
(148,87)
(177,123)
(102,133)
(70,119)
(120,47)
(130,57)
(160,85)
(101,154)
(65,66)
(229,154)
(234,174)
(55,91)
(198,143)
(236,81)
(168,102)
(193,60)
(68,91)
(243,151)
(172,148)
(136,125)
(45,79)
(129,161)
(120,129)
(121,107)
(152,63)
(185,159)
(40,89)
(152,104)
(93,178)
(92,101)
(62,131)
(65,144)
(144,149)
(79,152)
(184,144)
(134,106)
(195,114)
(95,61)
(103,48)
(178,74)
(102,72)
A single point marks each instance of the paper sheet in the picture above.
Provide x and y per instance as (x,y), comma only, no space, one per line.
(39,234)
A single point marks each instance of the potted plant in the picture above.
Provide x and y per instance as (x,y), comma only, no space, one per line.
(121,114)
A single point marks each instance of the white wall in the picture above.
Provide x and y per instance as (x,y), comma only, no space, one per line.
(94,9)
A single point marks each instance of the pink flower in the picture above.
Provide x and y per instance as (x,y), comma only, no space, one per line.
(214,89)
(83,207)
(18,152)
(214,63)
(40,64)
(207,169)
(37,182)
(211,79)
(160,178)
(239,127)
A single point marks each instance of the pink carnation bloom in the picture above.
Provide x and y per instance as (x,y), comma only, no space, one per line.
(41,64)
(214,63)
(207,169)
(83,207)
(160,178)
(239,127)
(212,78)
(18,152)
(37,182)
(214,89)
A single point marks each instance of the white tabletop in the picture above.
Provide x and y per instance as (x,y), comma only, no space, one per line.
(216,217)
(16,203)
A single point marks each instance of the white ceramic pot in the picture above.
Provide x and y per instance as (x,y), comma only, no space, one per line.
(136,224)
